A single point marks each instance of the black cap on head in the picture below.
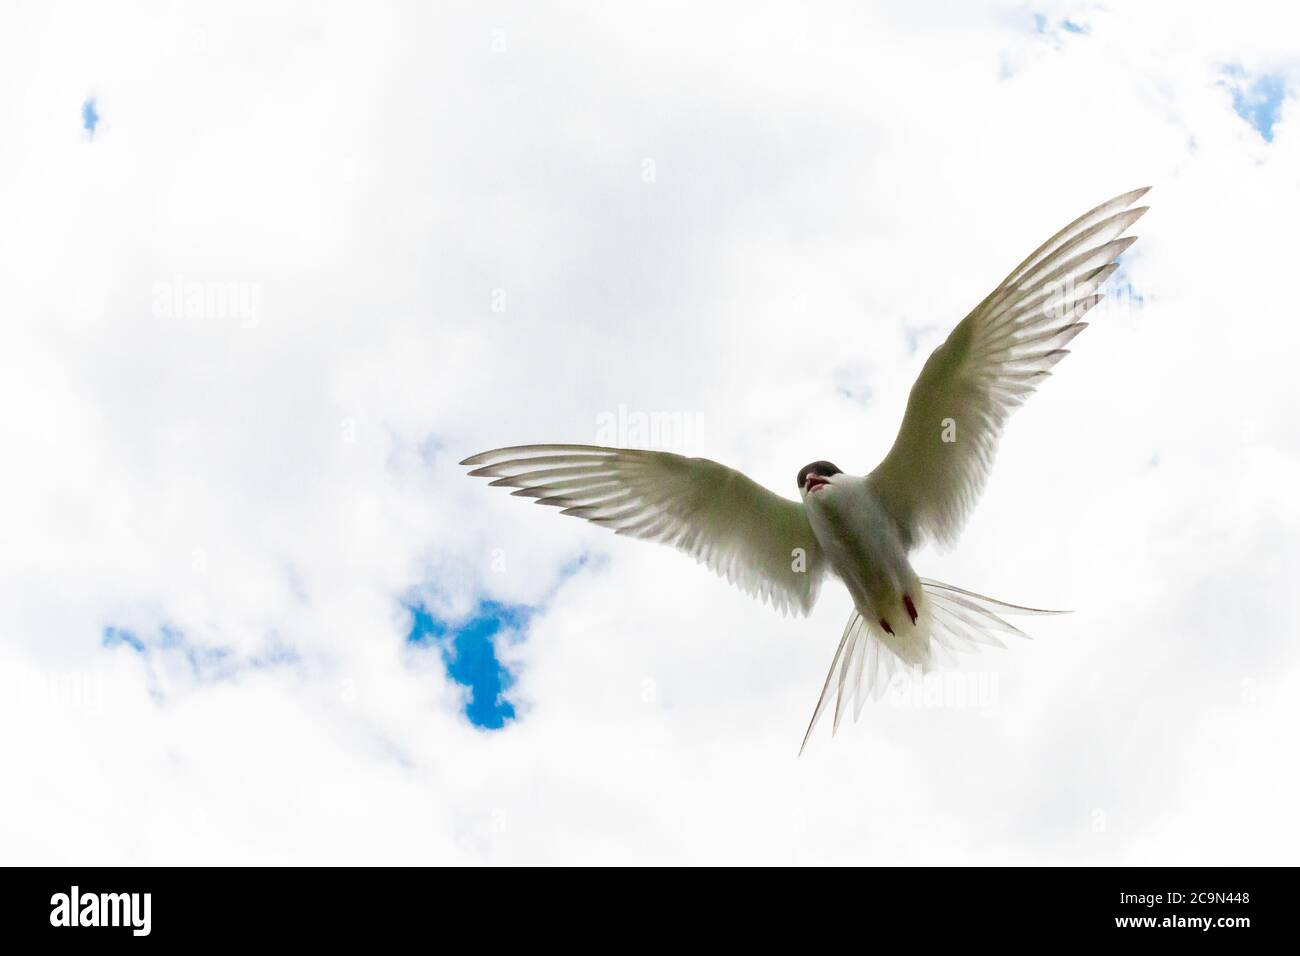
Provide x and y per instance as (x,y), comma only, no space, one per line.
(823,468)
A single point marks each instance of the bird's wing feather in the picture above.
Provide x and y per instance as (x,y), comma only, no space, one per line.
(717,515)
(993,360)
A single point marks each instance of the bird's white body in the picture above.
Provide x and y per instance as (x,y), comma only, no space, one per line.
(861,529)
(864,548)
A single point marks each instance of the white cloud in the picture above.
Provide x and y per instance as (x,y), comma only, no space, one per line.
(828,189)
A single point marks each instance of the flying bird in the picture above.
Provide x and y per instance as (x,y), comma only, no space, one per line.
(861,529)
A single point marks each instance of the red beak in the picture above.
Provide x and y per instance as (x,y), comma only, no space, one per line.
(813,482)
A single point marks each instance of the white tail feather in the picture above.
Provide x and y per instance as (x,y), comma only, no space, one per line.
(950,621)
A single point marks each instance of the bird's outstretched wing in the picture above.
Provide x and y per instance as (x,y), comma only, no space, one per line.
(757,540)
(993,360)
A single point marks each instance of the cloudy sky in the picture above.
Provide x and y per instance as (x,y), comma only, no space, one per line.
(268,275)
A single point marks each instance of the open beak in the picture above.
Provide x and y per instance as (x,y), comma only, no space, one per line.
(813,482)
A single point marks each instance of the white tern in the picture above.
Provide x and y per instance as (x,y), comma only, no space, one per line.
(860,528)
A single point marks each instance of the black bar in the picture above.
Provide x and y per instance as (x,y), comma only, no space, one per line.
(965,906)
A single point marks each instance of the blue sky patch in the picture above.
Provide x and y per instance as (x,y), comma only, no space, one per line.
(205,663)
(114,636)
(470,656)
(172,659)
(1042,25)
(1256,98)
(1120,290)
(89,115)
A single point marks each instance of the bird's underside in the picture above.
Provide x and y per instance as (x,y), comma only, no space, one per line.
(860,529)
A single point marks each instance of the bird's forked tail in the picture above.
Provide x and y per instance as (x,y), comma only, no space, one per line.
(949,621)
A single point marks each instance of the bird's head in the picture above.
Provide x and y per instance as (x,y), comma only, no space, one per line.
(814,477)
